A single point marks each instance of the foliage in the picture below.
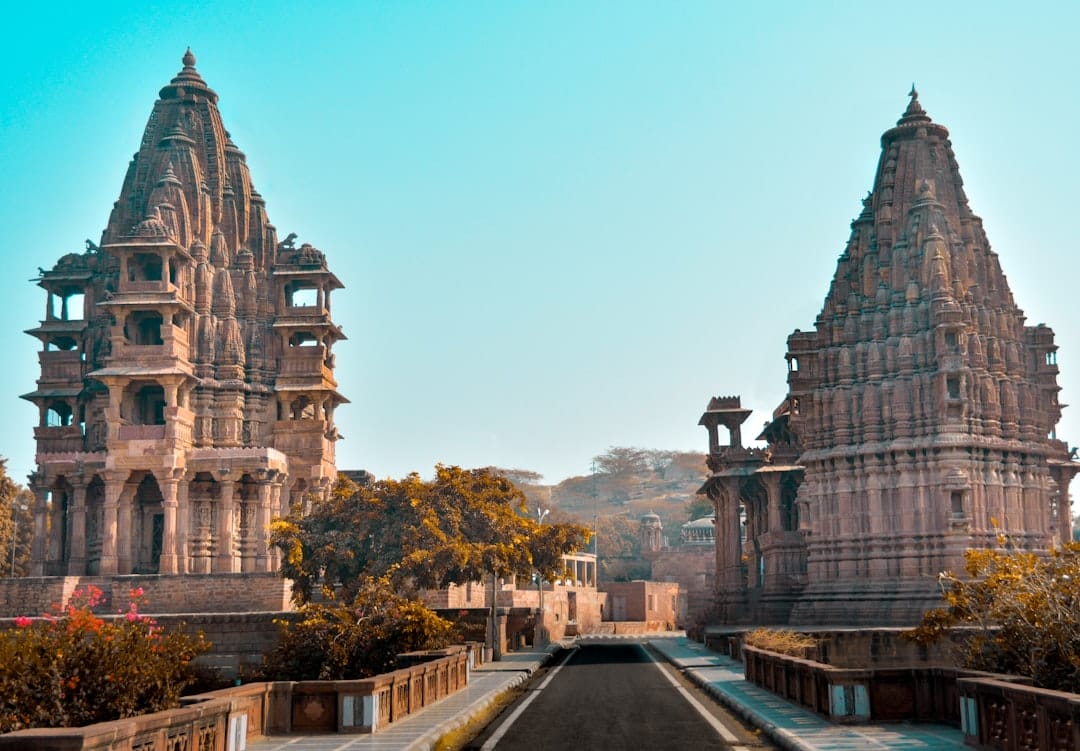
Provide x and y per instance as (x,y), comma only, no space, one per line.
(341,642)
(785,642)
(1024,610)
(621,460)
(700,507)
(457,528)
(71,668)
(15,523)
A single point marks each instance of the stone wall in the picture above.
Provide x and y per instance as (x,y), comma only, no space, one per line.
(196,593)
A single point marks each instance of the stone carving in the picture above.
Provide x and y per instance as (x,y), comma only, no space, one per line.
(923,399)
(179,353)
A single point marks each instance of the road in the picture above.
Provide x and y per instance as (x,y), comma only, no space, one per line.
(614,696)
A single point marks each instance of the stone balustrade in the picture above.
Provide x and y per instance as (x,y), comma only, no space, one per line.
(852,695)
(1006,716)
(224,720)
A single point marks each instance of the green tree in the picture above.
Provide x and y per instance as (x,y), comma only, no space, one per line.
(1023,612)
(15,523)
(622,460)
(342,642)
(461,526)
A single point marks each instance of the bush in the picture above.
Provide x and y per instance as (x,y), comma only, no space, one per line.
(342,642)
(1023,609)
(70,668)
(785,642)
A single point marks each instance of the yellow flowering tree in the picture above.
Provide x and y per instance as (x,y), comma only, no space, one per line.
(461,526)
(1023,612)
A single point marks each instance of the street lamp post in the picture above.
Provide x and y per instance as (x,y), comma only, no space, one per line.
(540,638)
(15,532)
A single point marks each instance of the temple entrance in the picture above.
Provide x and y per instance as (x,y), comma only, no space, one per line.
(148,526)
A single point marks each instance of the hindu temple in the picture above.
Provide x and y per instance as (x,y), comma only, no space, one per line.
(919,421)
(187,389)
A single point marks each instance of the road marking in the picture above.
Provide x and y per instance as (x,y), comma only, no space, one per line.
(489,744)
(730,738)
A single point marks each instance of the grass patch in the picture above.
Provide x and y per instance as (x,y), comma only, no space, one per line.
(459,738)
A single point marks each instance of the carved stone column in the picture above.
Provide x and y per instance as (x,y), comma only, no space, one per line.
(169,562)
(183,523)
(76,563)
(123,525)
(225,561)
(38,549)
(263,561)
(114,486)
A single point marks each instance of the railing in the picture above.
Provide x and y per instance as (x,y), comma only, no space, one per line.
(158,285)
(58,439)
(216,720)
(851,695)
(1004,716)
(226,719)
(141,432)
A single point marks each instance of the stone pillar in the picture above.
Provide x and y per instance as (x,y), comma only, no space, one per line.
(38,549)
(76,563)
(263,562)
(169,563)
(224,561)
(183,524)
(278,490)
(114,485)
(123,530)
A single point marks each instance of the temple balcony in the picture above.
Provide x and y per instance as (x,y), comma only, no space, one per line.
(174,347)
(64,366)
(54,440)
(143,287)
(306,362)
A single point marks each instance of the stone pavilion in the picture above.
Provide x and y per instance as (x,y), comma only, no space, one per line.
(187,390)
(919,421)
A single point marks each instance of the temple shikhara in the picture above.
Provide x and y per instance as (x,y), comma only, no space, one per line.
(187,390)
(919,421)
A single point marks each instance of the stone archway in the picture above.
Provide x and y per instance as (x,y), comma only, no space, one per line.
(147,526)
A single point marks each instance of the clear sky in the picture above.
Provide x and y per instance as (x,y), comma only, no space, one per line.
(561,225)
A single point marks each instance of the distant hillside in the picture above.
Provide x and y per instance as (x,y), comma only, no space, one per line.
(628,482)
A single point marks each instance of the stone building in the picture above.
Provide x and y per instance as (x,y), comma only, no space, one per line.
(187,388)
(689,562)
(920,418)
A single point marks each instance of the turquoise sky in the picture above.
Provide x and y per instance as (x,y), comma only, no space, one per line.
(561,225)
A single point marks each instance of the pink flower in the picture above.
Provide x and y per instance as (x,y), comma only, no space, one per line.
(22,621)
(131,616)
(136,592)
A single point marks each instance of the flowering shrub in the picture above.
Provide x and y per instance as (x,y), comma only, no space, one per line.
(70,668)
(1019,610)
(341,642)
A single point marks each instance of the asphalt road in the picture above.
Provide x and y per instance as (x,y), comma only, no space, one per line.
(609,697)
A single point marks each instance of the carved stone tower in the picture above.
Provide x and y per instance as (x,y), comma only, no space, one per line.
(187,388)
(923,406)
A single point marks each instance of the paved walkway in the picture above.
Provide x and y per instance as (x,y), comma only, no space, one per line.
(787,725)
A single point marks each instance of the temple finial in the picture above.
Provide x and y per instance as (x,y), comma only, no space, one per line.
(914,112)
(189,59)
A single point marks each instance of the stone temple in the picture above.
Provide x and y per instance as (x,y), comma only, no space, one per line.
(187,390)
(919,422)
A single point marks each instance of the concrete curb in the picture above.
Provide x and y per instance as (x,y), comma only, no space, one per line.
(777,735)
(427,741)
